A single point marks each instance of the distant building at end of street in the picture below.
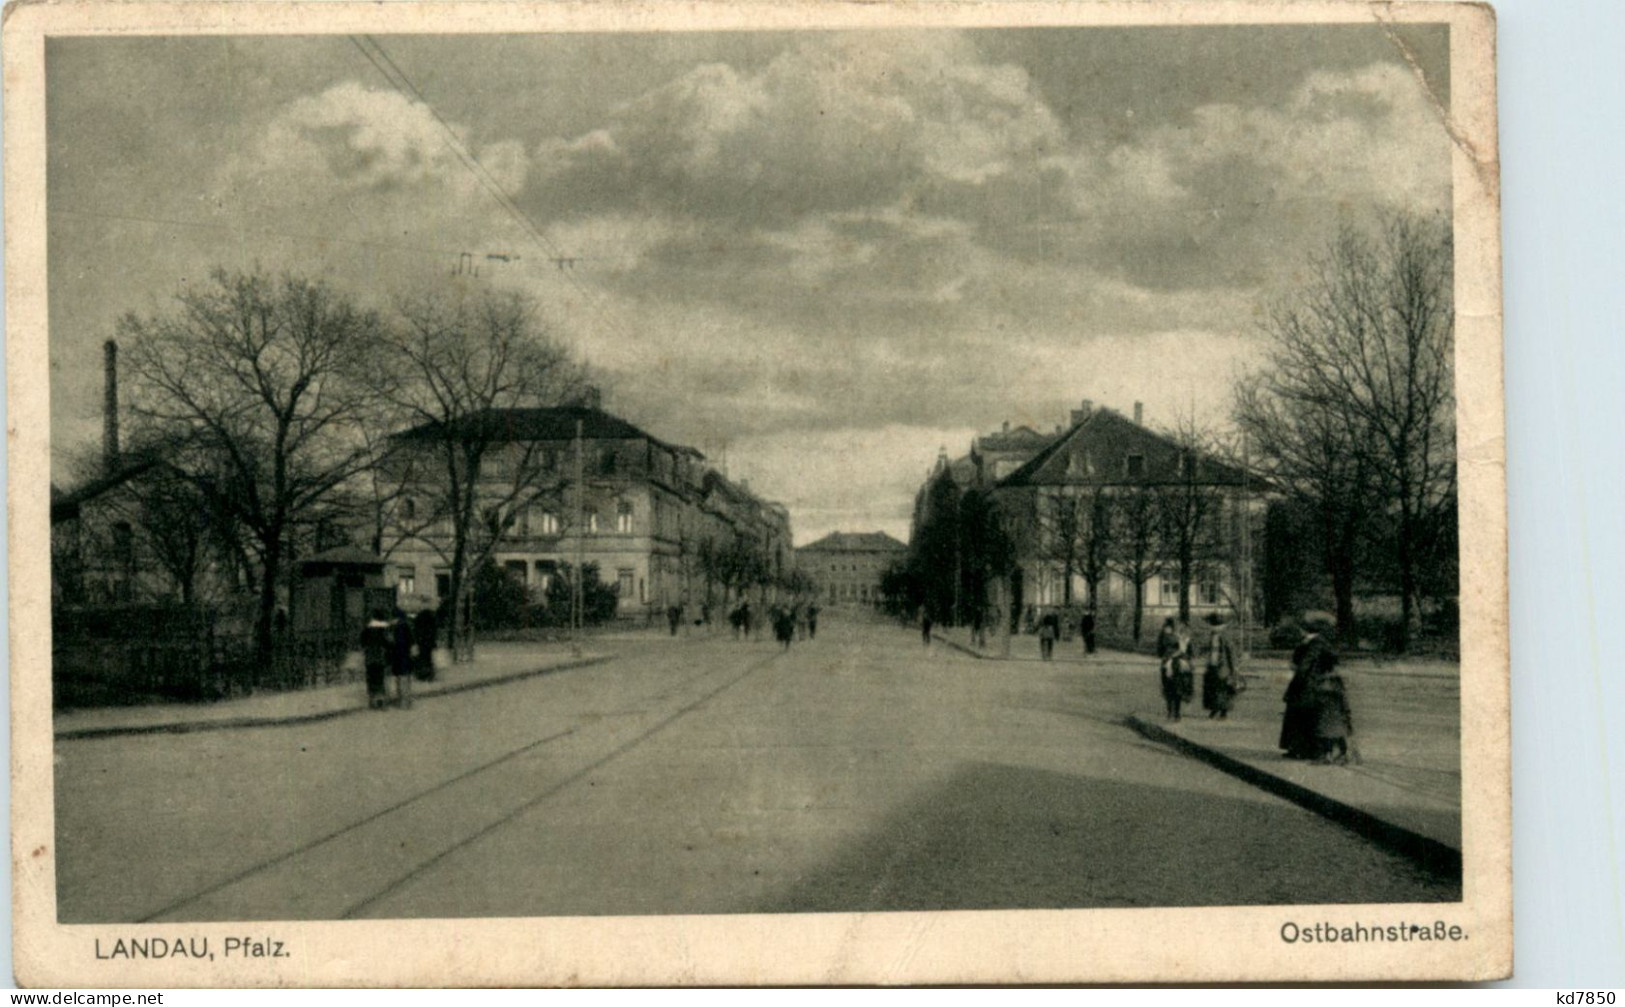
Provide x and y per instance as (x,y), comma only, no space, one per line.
(848,566)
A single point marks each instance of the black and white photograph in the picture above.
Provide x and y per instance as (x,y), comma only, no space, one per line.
(772,472)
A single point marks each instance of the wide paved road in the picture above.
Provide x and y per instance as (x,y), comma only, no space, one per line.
(856,772)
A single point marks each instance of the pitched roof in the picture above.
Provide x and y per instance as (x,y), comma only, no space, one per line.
(1022,438)
(1096,452)
(539,424)
(855,541)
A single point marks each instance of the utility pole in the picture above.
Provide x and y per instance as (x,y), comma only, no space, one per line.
(577,597)
(1246,549)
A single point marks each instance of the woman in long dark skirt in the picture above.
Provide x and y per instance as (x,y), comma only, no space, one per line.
(401,659)
(1168,654)
(424,631)
(1219,680)
(377,639)
(1313,658)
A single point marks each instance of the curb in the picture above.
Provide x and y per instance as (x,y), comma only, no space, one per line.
(194,726)
(1430,855)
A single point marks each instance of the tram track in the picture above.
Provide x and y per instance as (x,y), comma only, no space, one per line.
(176,908)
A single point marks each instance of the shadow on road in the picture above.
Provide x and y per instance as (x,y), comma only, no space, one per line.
(1002,837)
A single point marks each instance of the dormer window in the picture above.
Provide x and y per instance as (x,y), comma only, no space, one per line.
(1136,466)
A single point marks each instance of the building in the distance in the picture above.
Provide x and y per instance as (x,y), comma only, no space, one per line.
(649,512)
(848,566)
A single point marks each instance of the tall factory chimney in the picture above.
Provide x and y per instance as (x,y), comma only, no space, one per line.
(1139,414)
(110,452)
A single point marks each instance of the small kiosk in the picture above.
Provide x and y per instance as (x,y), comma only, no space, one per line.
(336,591)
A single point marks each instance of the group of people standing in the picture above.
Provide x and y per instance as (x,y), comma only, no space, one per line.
(789,621)
(1049,632)
(793,620)
(1178,652)
(1317,725)
(394,646)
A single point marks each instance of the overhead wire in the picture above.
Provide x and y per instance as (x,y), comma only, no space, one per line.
(386,66)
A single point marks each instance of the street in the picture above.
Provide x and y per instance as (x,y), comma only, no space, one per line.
(857,772)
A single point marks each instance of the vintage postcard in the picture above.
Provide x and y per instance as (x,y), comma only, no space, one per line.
(787,493)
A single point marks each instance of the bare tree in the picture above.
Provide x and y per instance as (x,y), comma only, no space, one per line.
(1189,506)
(256,383)
(456,363)
(1312,452)
(1366,347)
(1138,545)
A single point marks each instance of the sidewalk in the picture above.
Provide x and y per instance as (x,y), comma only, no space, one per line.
(1404,793)
(496,664)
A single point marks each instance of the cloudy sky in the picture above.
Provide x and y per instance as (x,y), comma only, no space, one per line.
(821,256)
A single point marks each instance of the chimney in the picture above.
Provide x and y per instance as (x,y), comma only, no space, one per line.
(1082,412)
(110,452)
(1139,414)
(1006,426)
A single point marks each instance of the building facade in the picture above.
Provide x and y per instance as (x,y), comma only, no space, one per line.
(847,567)
(646,512)
(1105,510)
(1132,506)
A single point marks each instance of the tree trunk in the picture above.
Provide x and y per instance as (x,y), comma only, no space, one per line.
(1409,614)
(1139,607)
(267,605)
(1185,564)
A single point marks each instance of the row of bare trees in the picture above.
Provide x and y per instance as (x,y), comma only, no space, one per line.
(1353,414)
(1171,528)
(272,402)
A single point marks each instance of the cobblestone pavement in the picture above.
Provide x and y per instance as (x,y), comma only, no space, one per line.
(860,771)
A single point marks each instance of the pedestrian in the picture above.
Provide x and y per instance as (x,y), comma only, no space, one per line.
(1220,683)
(1047,625)
(1312,659)
(784,624)
(925,628)
(1167,670)
(801,621)
(745,618)
(812,620)
(1086,629)
(1334,725)
(401,659)
(376,645)
(424,633)
(674,617)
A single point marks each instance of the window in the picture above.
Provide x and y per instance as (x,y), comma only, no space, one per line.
(406,580)
(623,581)
(549,523)
(623,517)
(606,462)
(592,523)
(409,509)
(516,569)
(1136,466)
(550,460)
(545,569)
(442,583)
(1170,591)
(1208,590)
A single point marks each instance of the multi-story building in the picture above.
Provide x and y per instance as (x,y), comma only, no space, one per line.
(645,511)
(1105,467)
(848,566)
(1151,489)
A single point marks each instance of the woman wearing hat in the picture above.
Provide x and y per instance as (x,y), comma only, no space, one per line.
(1219,681)
(1314,658)
(1169,649)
